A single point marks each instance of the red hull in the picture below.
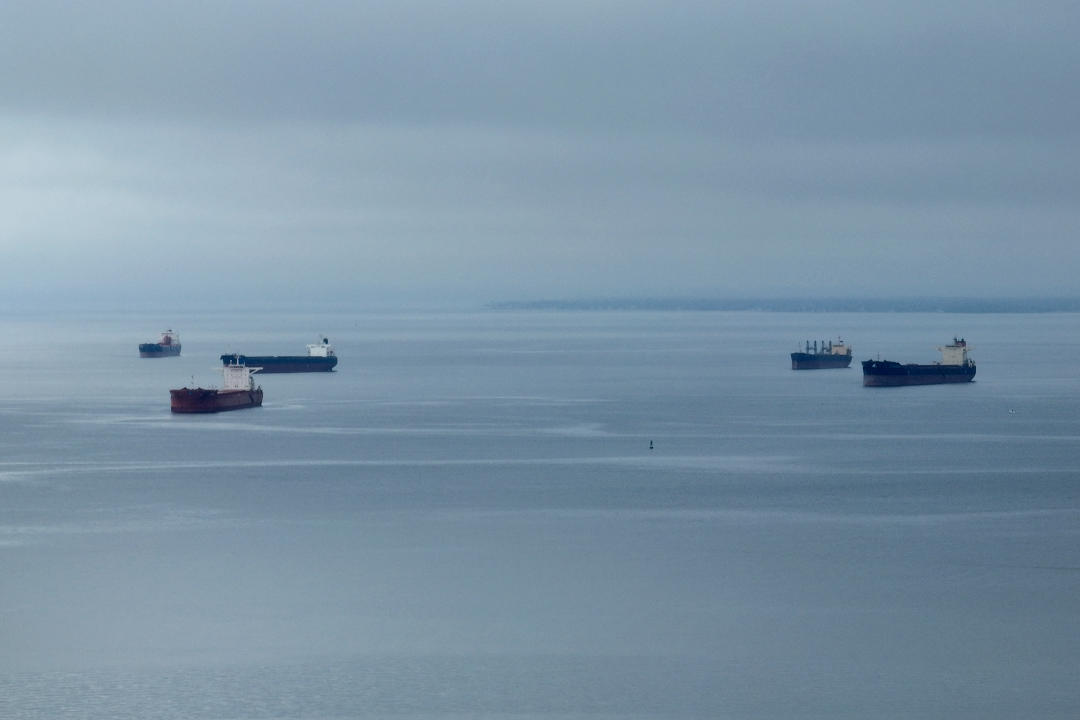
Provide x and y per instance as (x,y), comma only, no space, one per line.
(200,400)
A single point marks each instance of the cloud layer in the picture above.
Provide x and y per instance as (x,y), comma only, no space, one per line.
(489,150)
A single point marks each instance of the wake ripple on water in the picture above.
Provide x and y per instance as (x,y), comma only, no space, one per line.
(120,520)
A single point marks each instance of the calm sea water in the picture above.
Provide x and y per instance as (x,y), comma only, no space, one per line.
(467,520)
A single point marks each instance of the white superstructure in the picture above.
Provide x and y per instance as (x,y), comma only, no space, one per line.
(323,349)
(238,377)
(955,354)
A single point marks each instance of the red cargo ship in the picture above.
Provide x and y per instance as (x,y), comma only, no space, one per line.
(239,391)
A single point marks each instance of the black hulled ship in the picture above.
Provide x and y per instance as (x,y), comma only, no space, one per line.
(320,358)
(955,367)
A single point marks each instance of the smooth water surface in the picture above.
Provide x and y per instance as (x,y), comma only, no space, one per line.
(466,520)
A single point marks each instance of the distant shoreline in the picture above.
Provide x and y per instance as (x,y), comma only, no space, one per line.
(896,305)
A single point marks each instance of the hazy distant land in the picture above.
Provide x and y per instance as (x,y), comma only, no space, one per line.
(899,305)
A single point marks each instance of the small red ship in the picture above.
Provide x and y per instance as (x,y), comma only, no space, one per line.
(238,391)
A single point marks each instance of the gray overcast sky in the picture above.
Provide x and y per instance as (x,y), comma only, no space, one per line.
(473,151)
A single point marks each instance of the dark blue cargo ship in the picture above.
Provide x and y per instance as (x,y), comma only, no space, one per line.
(955,367)
(320,358)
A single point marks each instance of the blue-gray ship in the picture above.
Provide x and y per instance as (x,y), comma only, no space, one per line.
(828,355)
(168,345)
